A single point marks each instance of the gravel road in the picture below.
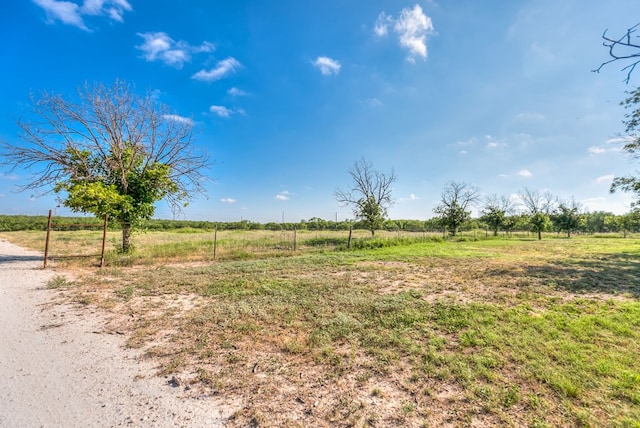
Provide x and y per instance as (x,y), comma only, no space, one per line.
(60,368)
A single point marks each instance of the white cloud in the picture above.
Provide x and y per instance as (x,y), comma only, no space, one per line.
(382,24)
(226,112)
(235,92)
(463,152)
(178,118)
(283,196)
(160,47)
(222,69)
(525,173)
(70,13)
(503,175)
(221,111)
(411,197)
(327,66)
(228,200)
(605,179)
(597,150)
(112,8)
(412,27)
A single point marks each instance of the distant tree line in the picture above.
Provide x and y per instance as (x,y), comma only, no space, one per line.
(564,219)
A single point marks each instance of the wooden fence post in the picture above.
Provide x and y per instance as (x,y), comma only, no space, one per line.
(104,238)
(294,239)
(350,233)
(215,241)
(46,244)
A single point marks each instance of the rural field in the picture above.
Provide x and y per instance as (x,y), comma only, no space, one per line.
(401,330)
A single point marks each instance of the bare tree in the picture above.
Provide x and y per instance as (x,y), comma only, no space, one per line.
(624,48)
(369,195)
(108,152)
(455,203)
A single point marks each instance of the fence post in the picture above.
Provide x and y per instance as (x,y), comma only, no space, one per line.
(215,241)
(294,239)
(104,238)
(46,244)
(350,233)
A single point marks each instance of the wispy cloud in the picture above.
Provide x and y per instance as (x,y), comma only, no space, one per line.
(605,179)
(10,177)
(412,28)
(525,173)
(382,24)
(228,200)
(225,112)
(597,150)
(222,69)
(235,92)
(411,197)
(221,111)
(327,66)
(178,118)
(73,14)
(283,196)
(160,47)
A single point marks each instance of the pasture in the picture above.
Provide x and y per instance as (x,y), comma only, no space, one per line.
(404,330)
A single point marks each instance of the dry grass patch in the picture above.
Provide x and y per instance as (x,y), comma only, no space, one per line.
(493,333)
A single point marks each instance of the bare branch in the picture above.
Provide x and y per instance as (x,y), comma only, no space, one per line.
(622,49)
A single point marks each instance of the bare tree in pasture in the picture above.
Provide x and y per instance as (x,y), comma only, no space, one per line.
(369,195)
(539,206)
(456,201)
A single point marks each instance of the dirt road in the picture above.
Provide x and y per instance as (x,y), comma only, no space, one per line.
(60,368)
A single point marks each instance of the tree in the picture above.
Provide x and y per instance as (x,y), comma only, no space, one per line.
(456,200)
(539,206)
(567,216)
(109,152)
(623,48)
(369,195)
(495,211)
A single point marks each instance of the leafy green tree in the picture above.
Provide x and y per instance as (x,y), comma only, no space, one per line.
(109,152)
(495,211)
(567,216)
(369,195)
(455,202)
(631,183)
(539,206)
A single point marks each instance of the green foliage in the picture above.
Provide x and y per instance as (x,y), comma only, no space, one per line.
(124,187)
(539,223)
(631,183)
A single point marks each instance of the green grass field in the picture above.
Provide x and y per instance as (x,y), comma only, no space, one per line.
(409,331)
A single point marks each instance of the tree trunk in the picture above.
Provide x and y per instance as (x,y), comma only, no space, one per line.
(126,237)
(373,233)
(539,235)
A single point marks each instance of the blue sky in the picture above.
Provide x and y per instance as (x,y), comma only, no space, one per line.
(288,94)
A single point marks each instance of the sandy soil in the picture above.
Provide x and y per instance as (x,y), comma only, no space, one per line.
(59,366)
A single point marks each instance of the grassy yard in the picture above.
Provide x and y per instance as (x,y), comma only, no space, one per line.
(497,332)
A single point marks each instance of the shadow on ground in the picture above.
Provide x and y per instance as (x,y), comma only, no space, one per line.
(609,274)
